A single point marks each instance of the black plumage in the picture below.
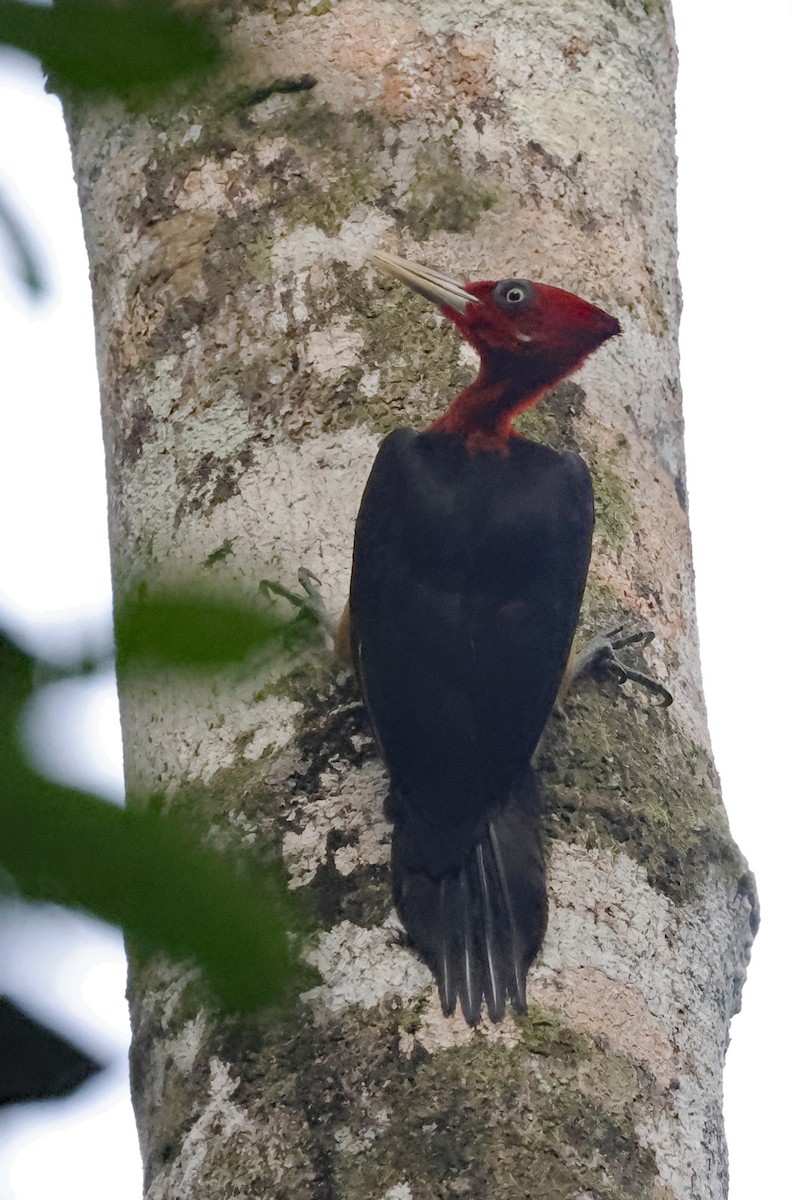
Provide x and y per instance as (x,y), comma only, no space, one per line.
(468,573)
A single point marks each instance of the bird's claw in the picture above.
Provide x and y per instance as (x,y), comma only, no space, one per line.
(600,656)
(310,585)
(310,606)
(641,637)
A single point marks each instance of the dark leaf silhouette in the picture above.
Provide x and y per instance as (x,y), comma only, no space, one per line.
(35,1062)
(24,260)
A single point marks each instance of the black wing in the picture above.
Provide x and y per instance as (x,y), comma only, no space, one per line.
(467,578)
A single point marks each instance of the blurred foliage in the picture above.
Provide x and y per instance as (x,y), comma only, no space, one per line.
(140,868)
(121,48)
(24,260)
(186,629)
(135,50)
(37,1064)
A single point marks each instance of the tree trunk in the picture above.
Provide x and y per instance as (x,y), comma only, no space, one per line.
(250,363)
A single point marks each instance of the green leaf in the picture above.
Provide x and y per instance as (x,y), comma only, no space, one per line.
(142,870)
(116,48)
(187,630)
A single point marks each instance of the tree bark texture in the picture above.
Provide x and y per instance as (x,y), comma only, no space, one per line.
(250,363)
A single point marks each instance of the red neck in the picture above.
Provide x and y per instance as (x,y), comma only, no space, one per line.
(483,413)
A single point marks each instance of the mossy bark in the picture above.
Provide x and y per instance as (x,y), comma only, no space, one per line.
(250,363)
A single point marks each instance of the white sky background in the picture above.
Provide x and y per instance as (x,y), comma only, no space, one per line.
(733,108)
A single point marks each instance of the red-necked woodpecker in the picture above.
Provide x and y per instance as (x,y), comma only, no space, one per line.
(471,551)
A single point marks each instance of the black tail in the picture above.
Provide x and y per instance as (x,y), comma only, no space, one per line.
(480,925)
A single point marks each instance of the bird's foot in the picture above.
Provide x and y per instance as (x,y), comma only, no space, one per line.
(600,658)
(311,608)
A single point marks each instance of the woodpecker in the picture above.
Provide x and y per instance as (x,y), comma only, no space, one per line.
(471,551)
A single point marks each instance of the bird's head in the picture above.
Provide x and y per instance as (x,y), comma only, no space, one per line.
(530,331)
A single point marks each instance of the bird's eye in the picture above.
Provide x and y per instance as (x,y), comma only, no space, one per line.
(511,292)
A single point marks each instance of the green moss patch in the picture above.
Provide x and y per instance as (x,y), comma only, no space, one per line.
(445,196)
(613,511)
(417,358)
(477,1120)
(618,775)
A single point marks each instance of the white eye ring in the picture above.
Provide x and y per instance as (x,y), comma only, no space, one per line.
(515,295)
